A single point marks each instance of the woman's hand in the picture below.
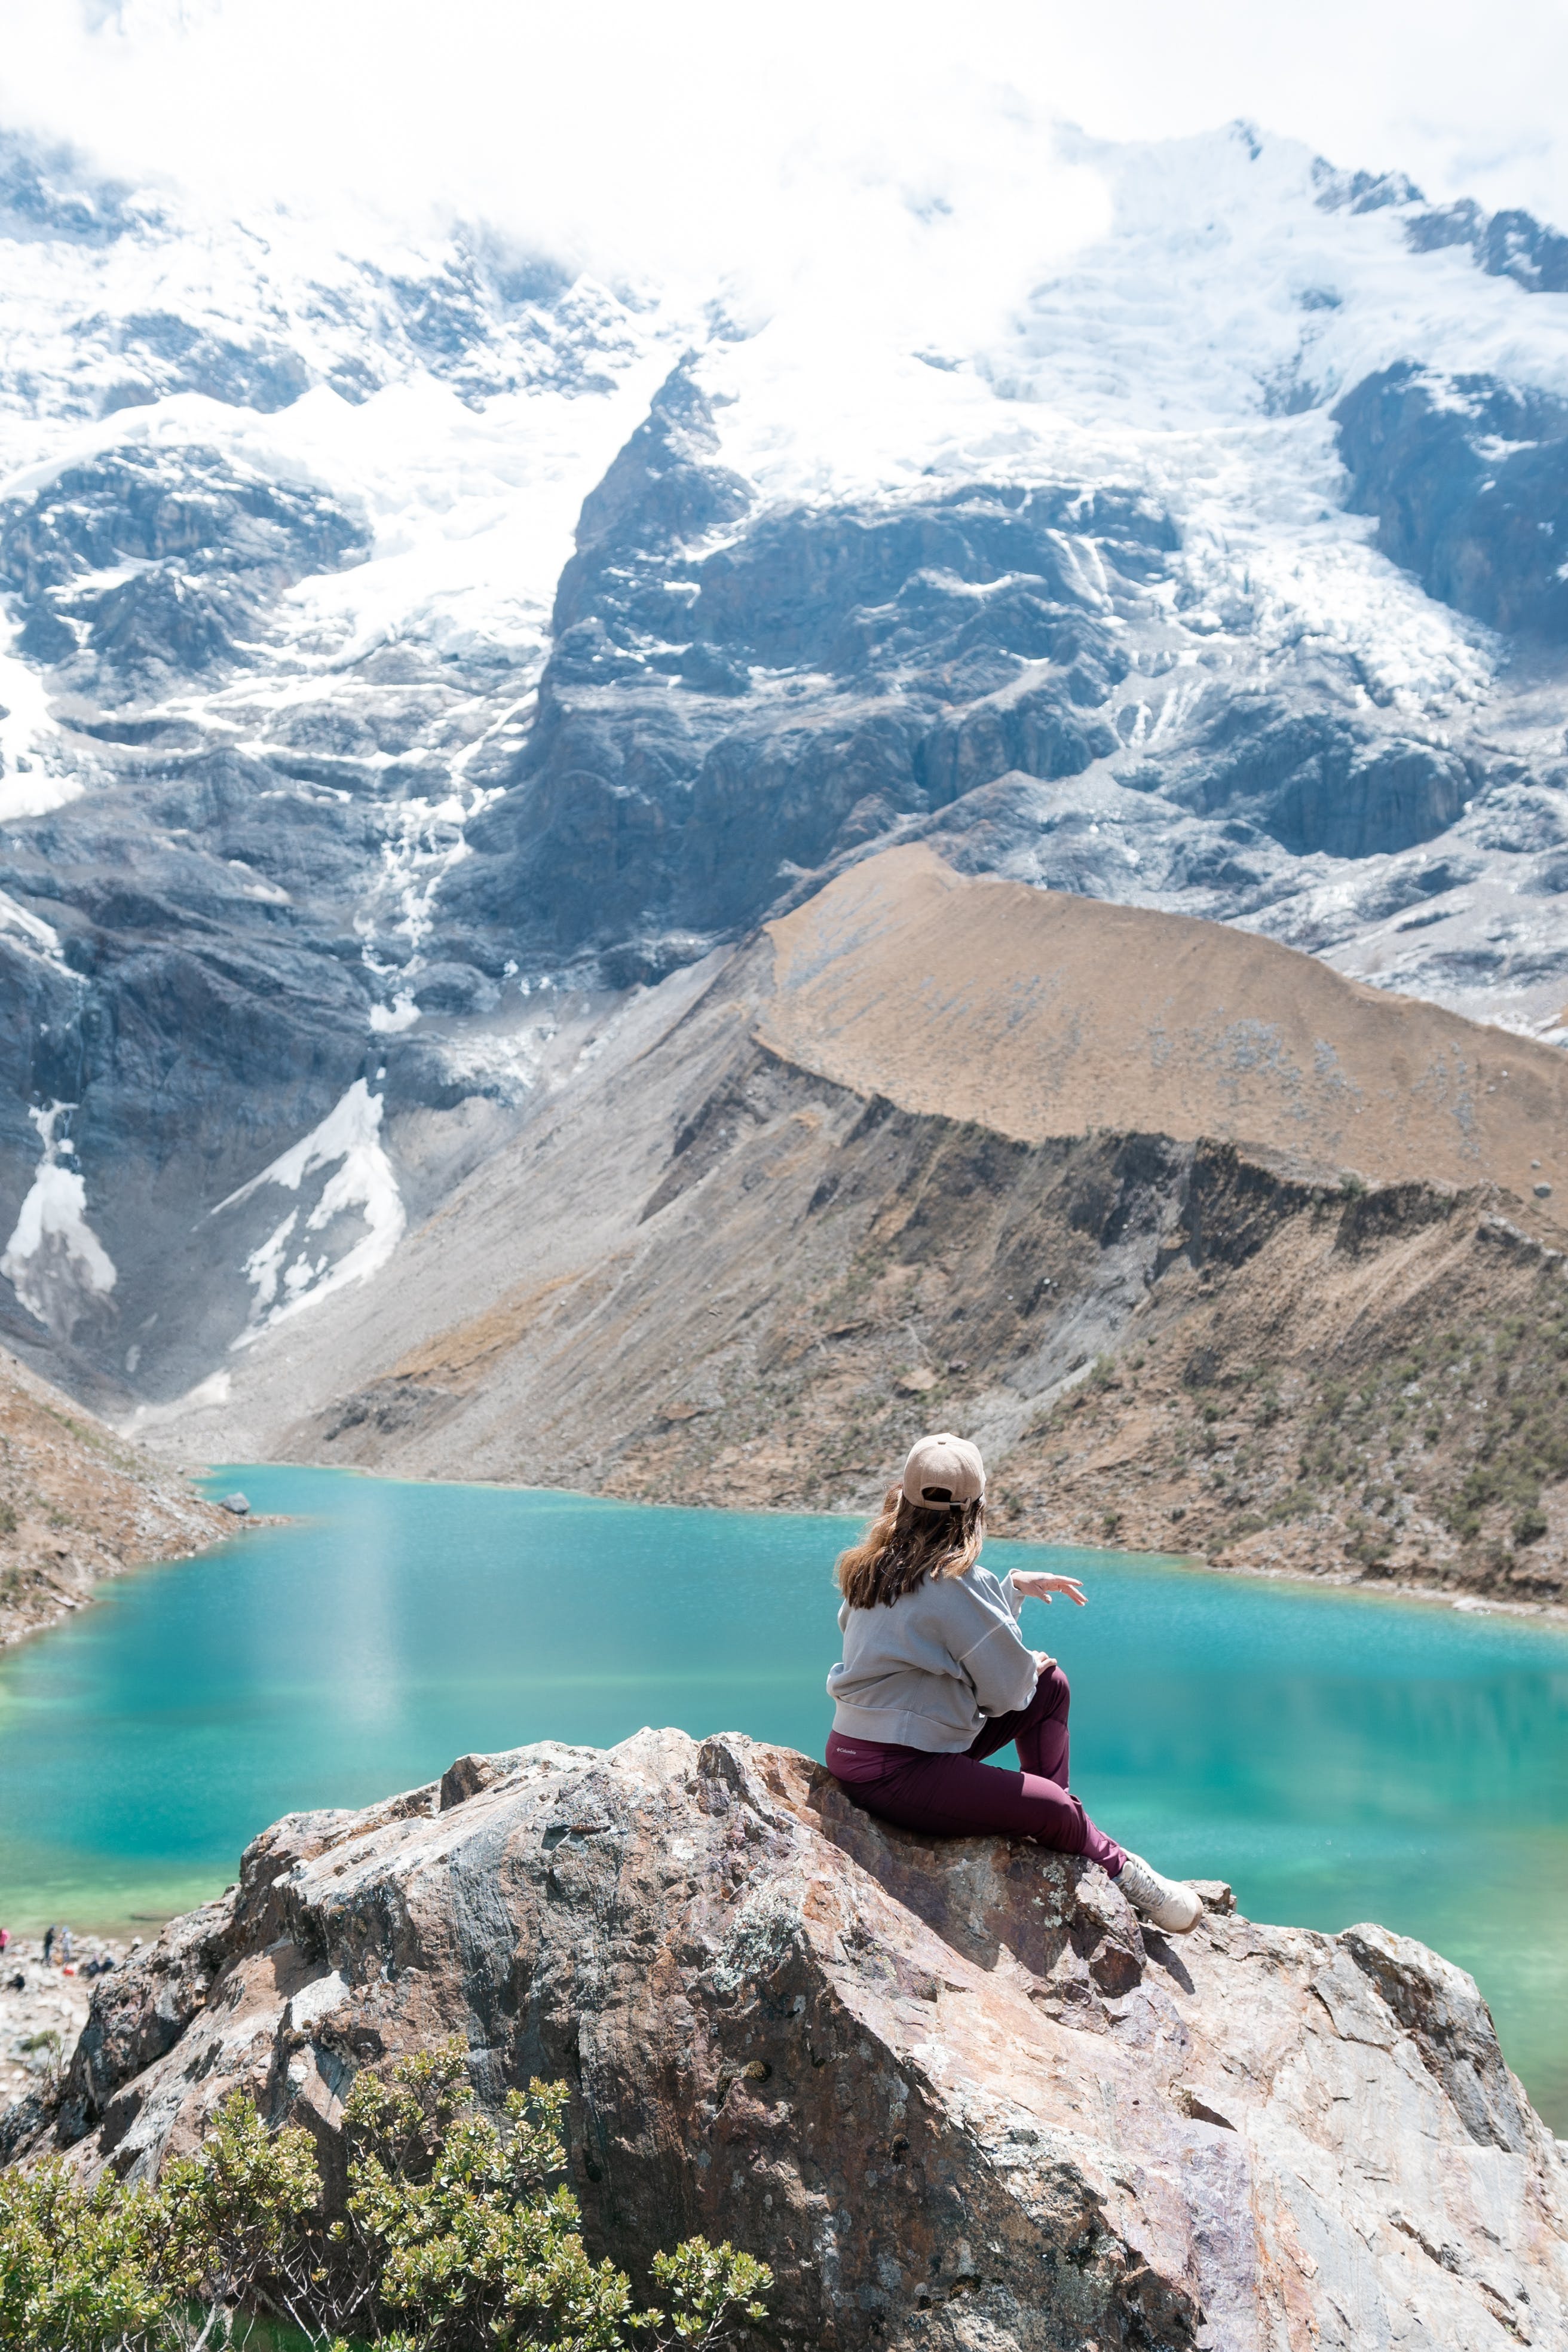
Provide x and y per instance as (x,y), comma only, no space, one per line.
(1036,1585)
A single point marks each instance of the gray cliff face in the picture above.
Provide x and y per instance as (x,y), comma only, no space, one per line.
(1468,480)
(325,849)
(954,2095)
(140,570)
(711,724)
(846,674)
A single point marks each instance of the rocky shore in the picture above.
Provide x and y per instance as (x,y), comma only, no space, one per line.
(954,2095)
(79,1503)
(44,2006)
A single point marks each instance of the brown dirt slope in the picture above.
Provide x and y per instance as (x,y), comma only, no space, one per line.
(77,1503)
(1040,1014)
(1377,1391)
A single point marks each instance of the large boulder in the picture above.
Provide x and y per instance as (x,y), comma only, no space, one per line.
(952,2092)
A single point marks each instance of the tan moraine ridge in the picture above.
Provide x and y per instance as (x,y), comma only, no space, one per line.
(1043,1016)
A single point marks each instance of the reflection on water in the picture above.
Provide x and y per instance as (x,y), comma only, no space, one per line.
(1335,1756)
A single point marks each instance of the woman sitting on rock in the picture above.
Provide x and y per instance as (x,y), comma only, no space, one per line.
(935,1677)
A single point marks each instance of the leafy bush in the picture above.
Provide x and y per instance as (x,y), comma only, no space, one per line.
(452,2241)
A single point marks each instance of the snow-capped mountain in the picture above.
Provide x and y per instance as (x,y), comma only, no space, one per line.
(412,650)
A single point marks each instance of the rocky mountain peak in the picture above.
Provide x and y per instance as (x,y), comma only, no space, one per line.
(415,647)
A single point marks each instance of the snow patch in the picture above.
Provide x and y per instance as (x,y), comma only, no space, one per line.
(54,1261)
(364,1186)
(30,783)
(30,932)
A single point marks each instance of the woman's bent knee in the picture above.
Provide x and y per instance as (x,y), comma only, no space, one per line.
(1055,1687)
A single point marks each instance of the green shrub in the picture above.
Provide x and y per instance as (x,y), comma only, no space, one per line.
(1369,1544)
(452,2241)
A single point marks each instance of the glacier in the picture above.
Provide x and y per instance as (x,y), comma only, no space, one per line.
(411,650)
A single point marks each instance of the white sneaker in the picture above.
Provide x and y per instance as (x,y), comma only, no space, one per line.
(1164,1902)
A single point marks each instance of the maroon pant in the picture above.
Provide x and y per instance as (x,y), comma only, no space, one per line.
(955,1796)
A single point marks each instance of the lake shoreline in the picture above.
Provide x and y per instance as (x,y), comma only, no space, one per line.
(1464,1601)
(69,1603)
(79,1506)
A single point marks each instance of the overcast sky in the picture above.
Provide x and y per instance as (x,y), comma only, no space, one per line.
(682,135)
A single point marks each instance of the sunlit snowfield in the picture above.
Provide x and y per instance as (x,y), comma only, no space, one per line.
(1336,1755)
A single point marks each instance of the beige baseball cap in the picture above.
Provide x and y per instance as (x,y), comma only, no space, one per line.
(944,1470)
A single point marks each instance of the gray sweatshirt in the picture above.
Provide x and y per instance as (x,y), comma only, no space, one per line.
(927,1671)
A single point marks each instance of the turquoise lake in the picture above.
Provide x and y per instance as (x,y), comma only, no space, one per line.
(1336,1755)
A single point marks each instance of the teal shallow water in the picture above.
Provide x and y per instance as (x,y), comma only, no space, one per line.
(1335,1756)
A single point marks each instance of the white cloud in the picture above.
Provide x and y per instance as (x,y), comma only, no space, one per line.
(871,162)
(702,132)
(843,152)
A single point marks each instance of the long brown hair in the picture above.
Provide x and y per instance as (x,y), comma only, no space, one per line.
(905,1544)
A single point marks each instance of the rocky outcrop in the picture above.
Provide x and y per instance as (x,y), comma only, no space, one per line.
(1469,480)
(1508,244)
(194,550)
(1315,780)
(954,2094)
(937,646)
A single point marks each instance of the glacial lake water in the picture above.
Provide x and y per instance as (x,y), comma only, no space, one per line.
(1335,1755)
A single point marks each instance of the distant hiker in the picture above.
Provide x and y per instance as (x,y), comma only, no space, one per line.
(67,1945)
(5,1939)
(49,1946)
(935,1677)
